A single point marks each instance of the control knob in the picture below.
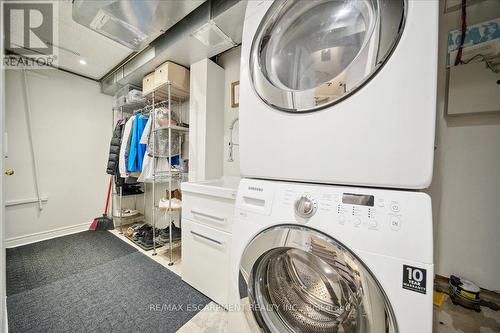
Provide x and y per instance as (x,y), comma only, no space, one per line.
(305,206)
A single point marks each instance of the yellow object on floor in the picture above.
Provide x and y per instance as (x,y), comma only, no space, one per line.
(439,298)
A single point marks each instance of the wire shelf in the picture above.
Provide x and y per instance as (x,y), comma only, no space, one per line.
(174,128)
(166,95)
(160,93)
(166,177)
(131,106)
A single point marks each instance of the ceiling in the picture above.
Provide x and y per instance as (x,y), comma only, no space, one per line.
(100,53)
(90,53)
(77,42)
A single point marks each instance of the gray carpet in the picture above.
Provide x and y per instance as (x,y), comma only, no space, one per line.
(111,288)
(41,263)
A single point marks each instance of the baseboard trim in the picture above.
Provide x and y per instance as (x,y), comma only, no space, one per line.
(5,317)
(40,236)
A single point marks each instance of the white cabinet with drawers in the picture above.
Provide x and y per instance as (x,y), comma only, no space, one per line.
(207,223)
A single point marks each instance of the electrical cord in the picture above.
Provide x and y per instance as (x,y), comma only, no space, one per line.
(486,60)
(458,59)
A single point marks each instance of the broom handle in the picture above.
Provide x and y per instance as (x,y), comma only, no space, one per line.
(107,197)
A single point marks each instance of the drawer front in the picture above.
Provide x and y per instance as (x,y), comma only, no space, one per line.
(210,211)
(205,260)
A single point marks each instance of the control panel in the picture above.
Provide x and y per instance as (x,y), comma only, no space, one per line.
(378,213)
(381,221)
(356,210)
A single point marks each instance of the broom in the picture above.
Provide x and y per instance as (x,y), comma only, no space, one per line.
(104,222)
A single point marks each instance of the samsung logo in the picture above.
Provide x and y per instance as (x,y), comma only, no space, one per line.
(258,189)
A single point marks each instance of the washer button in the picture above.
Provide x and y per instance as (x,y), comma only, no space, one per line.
(395,223)
(395,207)
(356,222)
(341,219)
(373,224)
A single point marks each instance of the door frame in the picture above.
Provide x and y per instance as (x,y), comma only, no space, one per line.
(3,273)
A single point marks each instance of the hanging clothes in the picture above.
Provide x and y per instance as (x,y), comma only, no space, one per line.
(114,149)
(162,167)
(125,148)
(145,133)
(137,150)
(160,152)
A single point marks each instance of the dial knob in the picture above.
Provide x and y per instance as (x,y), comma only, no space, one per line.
(305,206)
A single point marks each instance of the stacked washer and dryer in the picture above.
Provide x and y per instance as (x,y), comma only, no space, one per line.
(337,119)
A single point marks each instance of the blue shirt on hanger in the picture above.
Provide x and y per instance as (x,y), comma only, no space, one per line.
(137,150)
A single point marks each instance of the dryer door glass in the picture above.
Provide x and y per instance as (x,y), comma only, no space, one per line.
(309,54)
(295,279)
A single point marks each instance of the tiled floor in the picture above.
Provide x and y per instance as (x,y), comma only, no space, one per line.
(447,319)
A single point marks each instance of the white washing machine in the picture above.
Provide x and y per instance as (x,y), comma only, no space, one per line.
(310,258)
(340,92)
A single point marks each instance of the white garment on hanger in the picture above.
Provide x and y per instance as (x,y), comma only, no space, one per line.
(124,148)
(145,133)
(162,167)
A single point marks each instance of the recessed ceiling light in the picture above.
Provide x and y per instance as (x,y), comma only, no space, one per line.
(83,62)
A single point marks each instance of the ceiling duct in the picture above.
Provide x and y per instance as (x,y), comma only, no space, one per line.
(212,28)
(130,22)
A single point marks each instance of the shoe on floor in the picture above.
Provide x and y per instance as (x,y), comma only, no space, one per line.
(176,233)
(126,212)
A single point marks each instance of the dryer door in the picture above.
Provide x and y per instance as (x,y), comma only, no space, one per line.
(310,54)
(296,279)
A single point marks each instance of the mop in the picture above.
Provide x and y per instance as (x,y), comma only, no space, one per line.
(104,222)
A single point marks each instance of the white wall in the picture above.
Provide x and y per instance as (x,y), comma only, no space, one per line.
(466,184)
(72,124)
(230,61)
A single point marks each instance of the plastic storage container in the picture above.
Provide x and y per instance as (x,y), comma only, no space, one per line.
(128,94)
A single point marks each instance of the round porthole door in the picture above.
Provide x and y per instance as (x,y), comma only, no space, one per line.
(296,279)
(310,54)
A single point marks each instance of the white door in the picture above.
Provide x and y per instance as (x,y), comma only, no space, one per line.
(307,55)
(297,279)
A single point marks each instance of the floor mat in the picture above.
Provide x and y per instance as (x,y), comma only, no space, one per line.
(34,265)
(131,293)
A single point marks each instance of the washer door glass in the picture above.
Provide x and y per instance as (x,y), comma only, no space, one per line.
(296,279)
(309,54)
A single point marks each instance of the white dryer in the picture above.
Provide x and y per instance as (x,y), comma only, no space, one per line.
(340,92)
(310,258)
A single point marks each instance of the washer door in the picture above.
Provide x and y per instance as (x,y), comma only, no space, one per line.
(296,279)
(310,54)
